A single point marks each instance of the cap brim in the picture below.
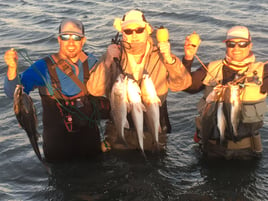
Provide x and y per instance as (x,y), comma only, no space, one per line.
(71,32)
(133,22)
(230,38)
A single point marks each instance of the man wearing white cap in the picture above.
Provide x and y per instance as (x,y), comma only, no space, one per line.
(70,130)
(232,109)
(137,54)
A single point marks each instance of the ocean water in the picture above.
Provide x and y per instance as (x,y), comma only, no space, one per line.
(179,174)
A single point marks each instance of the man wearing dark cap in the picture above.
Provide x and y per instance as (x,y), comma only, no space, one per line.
(232,109)
(70,129)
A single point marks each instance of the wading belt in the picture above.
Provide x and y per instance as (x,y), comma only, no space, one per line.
(65,67)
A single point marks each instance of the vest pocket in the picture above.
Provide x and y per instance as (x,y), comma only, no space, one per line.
(253,112)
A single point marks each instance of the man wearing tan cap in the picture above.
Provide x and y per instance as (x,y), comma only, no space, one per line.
(70,129)
(136,55)
(232,109)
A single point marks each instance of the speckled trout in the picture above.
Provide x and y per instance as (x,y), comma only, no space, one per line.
(152,103)
(119,104)
(136,108)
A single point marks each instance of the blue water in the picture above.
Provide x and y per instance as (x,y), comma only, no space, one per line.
(180,173)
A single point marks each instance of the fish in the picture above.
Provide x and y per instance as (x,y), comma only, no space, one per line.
(221,121)
(235,106)
(215,94)
(136,109)
(119,104)
(25,113)
(209,115)
(152,104)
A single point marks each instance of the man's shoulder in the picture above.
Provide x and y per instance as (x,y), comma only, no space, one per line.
(92,60)
(90,55)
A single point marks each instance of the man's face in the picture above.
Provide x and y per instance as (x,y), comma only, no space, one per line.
(134,33)
(238,49)
(71,46)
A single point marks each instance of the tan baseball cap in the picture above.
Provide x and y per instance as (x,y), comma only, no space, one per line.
(239,32)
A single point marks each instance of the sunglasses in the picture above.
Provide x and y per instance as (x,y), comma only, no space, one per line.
(241,44)
(68,36)
(130,31)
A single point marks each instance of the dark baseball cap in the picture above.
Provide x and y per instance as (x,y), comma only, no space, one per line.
(71,26)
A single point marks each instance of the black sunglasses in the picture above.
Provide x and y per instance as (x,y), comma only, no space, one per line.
(68,36)
(130,31)
(241,44)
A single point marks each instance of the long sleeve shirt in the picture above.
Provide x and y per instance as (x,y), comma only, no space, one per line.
(37,75)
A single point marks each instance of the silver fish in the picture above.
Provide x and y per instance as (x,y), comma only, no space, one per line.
(152,103)
(119,104)
(221,121)
(235,106)
(26,115)
(136,108)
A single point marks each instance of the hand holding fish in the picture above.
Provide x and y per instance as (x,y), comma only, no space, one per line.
(191,45)
(113,51)
(11,58)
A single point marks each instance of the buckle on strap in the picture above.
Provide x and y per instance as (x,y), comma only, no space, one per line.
(68,121)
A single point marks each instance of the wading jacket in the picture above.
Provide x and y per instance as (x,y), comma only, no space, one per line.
(164,76)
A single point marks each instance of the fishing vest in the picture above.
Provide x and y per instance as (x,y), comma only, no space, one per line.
(253,101)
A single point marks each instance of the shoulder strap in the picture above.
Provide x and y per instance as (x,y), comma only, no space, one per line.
(86,71)
(67,69)
(54,77)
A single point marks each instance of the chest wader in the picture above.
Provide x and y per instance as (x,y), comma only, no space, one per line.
(247,143)
(76,111)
